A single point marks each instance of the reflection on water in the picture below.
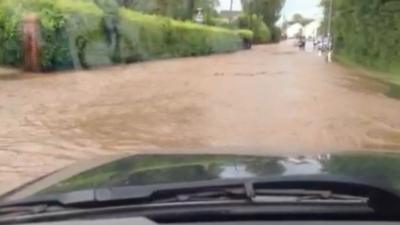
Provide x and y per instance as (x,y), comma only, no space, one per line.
(157,169)
(169,175)
(393,91)
(362,83)
(234,171)
(379,168)
(198,169)
(302,167)
(188,104)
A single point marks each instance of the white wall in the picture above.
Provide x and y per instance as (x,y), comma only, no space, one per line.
(311,30)
(293,30)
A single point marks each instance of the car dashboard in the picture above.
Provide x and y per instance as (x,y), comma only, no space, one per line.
(144,221)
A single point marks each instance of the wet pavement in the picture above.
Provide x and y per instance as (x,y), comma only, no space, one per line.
(272,96)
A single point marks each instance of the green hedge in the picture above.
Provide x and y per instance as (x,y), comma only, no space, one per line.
(219,22)
(80,27)
(245,34)
(63,25)
(10,38)
(367,33)
(262,33)
(276,34)
(147,37)
(91,33)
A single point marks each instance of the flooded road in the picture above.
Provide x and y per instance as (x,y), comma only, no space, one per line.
(272,96)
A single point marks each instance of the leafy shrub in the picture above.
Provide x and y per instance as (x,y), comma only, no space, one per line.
(276,34)
(245,34)
(247,38)
(262,33)
(65,26)
(91,33)
(366,32)
(148,36)
(219,22)
(255,23)
(82,22)
(54,39)
(10,34)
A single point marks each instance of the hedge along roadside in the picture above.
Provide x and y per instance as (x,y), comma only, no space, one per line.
(366,33)
(247,37)
(261,31)
(147,37)
(69,44)
(65,27)
(10,38)
(74,35)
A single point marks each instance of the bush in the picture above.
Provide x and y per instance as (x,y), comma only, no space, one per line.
(262,33)
(147,37)
(219,22)
(80,29)
(92,33)
(276,34)
(366,32)
(245,34)
(66,29)
(255,23)
(10,34)
(247,37)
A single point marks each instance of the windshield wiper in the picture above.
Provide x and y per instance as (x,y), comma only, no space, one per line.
(301,196)
(265,196)
(287,189)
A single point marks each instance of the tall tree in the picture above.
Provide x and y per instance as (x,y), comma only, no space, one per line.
(298,18)
(178,9)
(190,8)
(270,10)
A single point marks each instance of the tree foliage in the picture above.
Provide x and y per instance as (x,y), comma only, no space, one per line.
(90,33)
(262,33)
(298,18)
(268,10)
(177,9)
(366,32)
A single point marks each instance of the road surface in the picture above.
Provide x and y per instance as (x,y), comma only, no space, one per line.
(272,96)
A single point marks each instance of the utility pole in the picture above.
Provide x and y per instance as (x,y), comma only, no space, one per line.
(330,31)
(231,12)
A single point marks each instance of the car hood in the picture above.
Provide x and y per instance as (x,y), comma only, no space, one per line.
(138,170)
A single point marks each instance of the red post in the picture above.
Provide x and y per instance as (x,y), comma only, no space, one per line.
(31,31)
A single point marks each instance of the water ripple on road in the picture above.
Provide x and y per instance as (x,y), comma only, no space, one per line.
(272,96)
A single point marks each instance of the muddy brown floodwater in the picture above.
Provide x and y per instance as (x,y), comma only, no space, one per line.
(272,96)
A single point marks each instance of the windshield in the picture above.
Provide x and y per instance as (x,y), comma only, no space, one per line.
(224,89)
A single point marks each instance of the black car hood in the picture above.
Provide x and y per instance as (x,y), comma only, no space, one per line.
(138,170)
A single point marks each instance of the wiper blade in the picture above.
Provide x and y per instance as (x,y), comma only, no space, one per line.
(47,203)
(306,196)
(62,200)
(300,189)
(342,189)
(266,196)
(222,196)
(262,195)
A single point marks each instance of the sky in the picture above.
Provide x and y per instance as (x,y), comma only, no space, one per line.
(308,8)
(225,4)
